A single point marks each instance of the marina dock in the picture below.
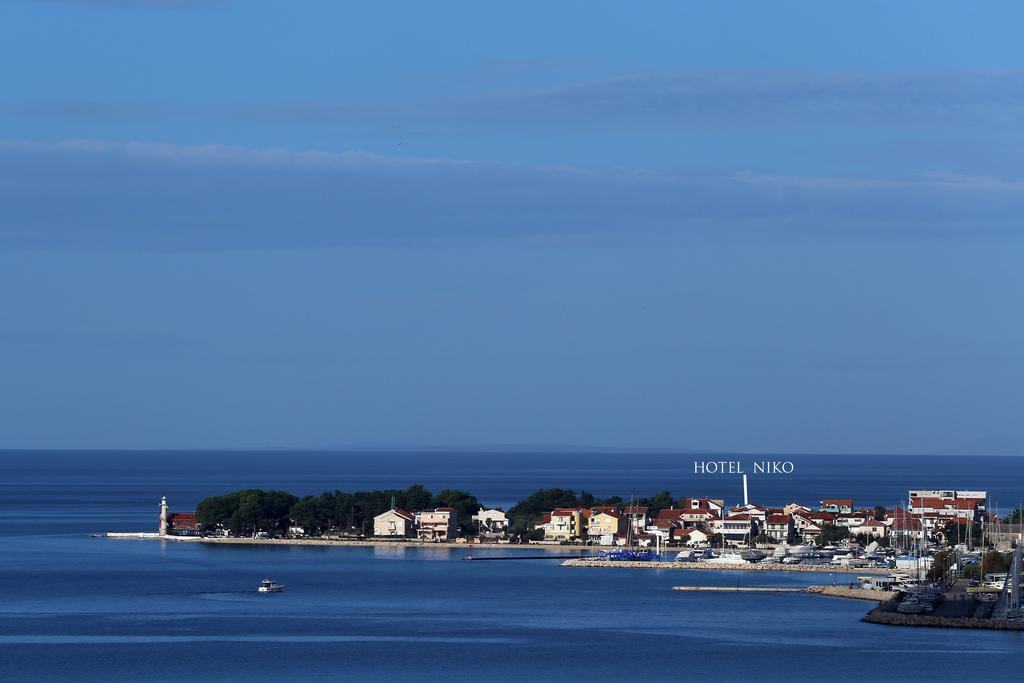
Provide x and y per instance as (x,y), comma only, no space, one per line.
(550,556)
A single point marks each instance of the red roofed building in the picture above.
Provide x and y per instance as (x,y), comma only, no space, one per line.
(179,522)
(691,537)
(698,518)
(702,504)
(604,524)
(837,505)
(395,522)
(664,524)
(778,526)
(674,514)
(567,524)
(903,525)
(736,529)
(755,511)
(936,510)
(870,527)
(176,523)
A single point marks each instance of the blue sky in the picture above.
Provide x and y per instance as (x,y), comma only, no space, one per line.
(785,227)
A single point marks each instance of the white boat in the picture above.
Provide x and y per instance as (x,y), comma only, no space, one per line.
(268,586)
(727,558)
(792,559)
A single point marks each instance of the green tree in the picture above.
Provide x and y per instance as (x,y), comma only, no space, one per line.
(880,512)
(660,501)
(941,562)
(415,498)
(995,562)
(312,514)
(465,504)
(525,513)
(831,534)
(1015,517)
(216,511)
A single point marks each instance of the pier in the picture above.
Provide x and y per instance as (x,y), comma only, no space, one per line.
(739,589)
(596,562)
(830,591)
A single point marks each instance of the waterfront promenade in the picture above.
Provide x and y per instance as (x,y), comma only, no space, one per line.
(554,550)
(705,566)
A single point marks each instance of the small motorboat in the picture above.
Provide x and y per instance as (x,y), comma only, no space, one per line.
(753,555)
(912,608)
(268,586)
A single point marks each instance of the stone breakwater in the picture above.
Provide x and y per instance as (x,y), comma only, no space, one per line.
(833,591)
(886,614)
(847,592)
(716,566)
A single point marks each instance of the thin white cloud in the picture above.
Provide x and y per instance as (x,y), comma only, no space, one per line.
(993,97)
(143,195)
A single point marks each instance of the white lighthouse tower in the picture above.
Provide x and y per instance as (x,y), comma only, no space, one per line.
(163,516)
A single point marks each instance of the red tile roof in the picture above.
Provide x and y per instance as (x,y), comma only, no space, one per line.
(819,516)
(778,519)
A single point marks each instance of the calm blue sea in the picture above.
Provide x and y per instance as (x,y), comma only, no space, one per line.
(79,608)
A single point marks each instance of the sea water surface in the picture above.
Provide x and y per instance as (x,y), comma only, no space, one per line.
(74,607)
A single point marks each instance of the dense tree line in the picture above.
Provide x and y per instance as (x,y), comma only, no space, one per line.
(252,510)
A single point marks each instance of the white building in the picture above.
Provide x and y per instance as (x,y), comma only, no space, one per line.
(493,521)
(395,522)
(937,508)
(692,537)
(870,527)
